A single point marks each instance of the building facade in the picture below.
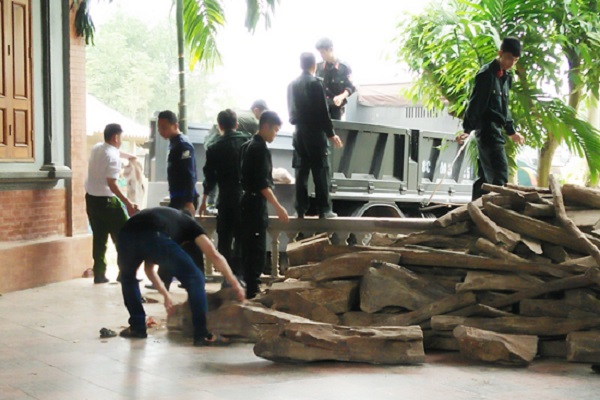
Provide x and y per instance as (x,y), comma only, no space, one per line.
(44,234)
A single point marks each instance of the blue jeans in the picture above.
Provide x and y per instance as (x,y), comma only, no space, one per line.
(158,248)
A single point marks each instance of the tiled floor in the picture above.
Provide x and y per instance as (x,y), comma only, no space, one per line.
(50,349)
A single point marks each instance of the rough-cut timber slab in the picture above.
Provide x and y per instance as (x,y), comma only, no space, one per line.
(307,250)
(349,265)
(480,310)
(307,342)
(538,210)
(476,280)
(518,195)
(294,303)
(556,253)
(552,348)
(535,228)
(540,190)
(542,326)
(455,216)
(450,259)
(481,345)
(569,225)
(485,246)
(583,299)
(491,230)
(584,347)
(389,285)
(591,277)
(439,307)
(581,195)
(545,308)
(336,296)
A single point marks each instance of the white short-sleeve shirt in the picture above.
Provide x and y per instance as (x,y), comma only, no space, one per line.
(105,162)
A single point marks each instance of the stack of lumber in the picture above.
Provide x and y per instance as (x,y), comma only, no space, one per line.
(503,279)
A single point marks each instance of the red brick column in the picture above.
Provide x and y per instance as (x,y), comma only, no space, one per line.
(79,156)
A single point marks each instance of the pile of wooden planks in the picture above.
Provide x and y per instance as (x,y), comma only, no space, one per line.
(502,279)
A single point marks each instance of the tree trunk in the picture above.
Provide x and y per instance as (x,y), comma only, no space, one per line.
(181,68)
(545,161)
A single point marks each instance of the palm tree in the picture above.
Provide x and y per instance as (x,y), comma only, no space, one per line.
(198,22)
(447,44)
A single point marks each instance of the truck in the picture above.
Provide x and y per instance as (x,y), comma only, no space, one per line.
(394,162)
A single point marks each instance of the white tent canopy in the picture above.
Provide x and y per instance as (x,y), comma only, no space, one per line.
(98,115)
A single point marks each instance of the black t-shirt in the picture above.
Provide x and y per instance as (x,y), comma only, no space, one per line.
(177,225)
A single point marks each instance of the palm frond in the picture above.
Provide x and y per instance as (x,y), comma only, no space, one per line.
(202,20)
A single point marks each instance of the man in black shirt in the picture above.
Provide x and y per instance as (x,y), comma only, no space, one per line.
(222,168)
(154,236)
(257,182)
(308,111)
(336,78)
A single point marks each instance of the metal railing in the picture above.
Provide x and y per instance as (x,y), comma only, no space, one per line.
(339,229)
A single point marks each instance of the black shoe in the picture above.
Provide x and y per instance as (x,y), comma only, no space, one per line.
(100,279)
(299,215)
(133,334)
(596,368)
(150,286)
(328,215)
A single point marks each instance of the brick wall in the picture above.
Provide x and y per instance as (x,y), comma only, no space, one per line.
(32,214)
(79,156)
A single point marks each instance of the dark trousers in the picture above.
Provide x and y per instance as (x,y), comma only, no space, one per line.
(311,154)
(107,217)
(336,112)
(134,248)
(492,165)
(229,231)
(254,240)
(189,247)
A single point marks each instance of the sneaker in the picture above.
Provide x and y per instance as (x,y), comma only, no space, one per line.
(328,215)
(133,334)
(100,279)
(211,340)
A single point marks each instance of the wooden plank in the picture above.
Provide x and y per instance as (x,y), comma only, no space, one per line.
(535,228)
(491,230)
(581,195)
(569,225)
(477,280)
(541,326)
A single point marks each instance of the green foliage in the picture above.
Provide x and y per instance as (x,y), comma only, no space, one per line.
(201,21)
(133,68)
(448,43)
(256,10)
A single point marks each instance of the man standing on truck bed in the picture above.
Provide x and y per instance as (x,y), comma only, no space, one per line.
(487,113)
(308,112)
(336,79)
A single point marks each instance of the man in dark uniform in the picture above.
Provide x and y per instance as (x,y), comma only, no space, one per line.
(257,182)
(181,177)
(154,236)
(222,168)
(248,123)
(308,112)
(487,113)
(336,79)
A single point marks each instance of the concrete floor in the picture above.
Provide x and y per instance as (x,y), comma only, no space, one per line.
(50,349)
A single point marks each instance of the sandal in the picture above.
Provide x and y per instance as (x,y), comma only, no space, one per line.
(211,340)
(107,333)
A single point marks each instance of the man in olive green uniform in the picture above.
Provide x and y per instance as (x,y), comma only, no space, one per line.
(336,79)
(222,169)
(308,112)
(257,182)
(487,114)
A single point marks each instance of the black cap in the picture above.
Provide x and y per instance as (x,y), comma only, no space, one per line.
(260,104)
(324,44)
(511,45)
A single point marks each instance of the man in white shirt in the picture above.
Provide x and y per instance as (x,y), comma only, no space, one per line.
(104,200)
